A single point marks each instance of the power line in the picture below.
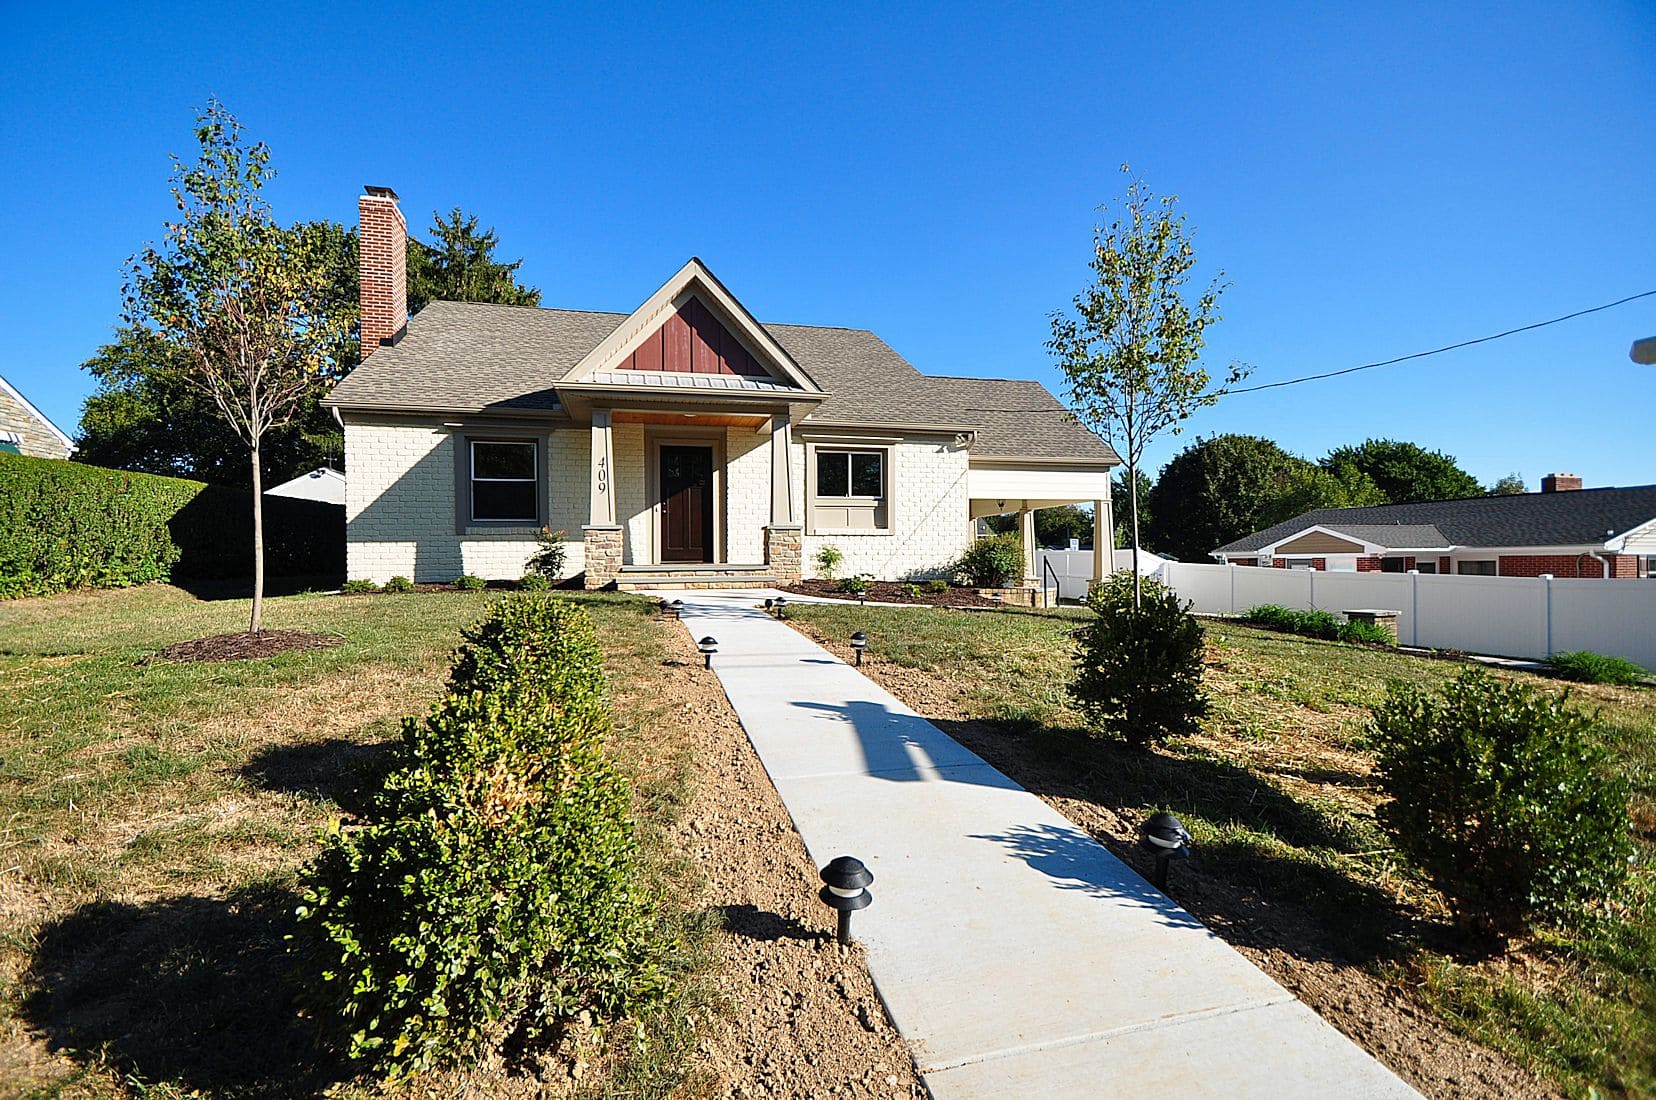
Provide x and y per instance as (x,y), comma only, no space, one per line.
(1447,347)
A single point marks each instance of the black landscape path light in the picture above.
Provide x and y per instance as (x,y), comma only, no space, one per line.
(707,647)
(678,609)
(845,890)
(664,607)
(781,606)
(1165,837)
(770,606)
(859,642)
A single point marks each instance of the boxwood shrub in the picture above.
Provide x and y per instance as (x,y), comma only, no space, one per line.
(1505,797)
(992,561)
(490,894)
(1316,624)
(1138,671)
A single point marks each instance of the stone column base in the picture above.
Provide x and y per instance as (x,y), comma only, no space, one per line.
(602,551)
(784,551)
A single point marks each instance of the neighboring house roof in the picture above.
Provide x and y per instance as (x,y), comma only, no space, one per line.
(457,357)
(1580,517)
(324,484)
(28,408)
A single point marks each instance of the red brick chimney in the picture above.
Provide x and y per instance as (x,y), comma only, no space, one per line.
(1560,483)
(382,267)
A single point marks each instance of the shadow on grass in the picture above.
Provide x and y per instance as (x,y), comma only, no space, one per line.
(241,588)
(1272,879)
(754,923)
(189,990)
(338,770)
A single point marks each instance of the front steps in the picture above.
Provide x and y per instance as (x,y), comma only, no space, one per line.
(690,575)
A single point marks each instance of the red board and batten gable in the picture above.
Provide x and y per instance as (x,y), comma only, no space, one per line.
(694,342)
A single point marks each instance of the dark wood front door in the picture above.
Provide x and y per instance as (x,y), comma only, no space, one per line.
(686,503)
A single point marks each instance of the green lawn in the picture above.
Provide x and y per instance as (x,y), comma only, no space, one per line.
(1278,793)
(153,815)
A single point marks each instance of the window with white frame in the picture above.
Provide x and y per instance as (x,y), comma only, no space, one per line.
(505,479)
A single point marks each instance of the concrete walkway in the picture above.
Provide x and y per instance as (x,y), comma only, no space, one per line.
(1017,956)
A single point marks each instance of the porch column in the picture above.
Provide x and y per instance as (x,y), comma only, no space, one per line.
(603,468)
(601,537)
(784,538)
(1103,540)
(781,453)
(1026,519)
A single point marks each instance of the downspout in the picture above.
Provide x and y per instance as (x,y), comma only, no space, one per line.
(1603,561)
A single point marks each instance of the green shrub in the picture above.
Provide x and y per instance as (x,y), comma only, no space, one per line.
(828,560)
(489,897)
(1504,796)
(535,582)
(550,554)
(1588,667)
(399,584)
(359,588)
(992,561)
(911,590)
(856,584)
(1138,672)
(1315,624)
(1372,633)
(68,525)
(468,582)
(937,585)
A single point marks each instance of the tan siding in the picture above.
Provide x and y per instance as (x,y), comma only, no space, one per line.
(1318,543)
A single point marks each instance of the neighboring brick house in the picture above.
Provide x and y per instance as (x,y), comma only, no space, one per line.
(684,443)
(24,429)
(1562,531)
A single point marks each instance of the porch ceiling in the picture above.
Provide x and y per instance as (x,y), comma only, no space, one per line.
(709,420)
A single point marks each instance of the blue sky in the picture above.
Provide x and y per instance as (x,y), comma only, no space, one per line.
(1373,181)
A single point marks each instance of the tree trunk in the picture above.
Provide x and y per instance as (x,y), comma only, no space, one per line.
(258,544)
(1132,476)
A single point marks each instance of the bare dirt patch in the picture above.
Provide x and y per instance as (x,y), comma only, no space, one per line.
(248,646)
(802,1016)
(1289,946)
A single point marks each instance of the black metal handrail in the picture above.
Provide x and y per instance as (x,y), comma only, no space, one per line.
(1057,590)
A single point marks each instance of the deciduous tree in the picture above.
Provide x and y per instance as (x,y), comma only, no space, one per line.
(1406,472)
(248,303)
(1130,345)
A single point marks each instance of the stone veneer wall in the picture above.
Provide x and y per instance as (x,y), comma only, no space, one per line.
(783,552)
(38,440)
(602,555)
(400,507)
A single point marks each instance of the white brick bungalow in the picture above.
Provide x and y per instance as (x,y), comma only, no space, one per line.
(682,443)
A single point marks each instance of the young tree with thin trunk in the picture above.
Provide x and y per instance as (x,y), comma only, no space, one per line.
(248,301)
(1130,347)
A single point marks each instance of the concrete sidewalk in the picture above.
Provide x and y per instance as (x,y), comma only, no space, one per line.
(1016,955)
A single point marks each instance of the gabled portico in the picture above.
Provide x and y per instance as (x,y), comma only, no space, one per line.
(690,404)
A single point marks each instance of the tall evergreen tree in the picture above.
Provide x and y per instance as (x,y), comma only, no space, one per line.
(459,266)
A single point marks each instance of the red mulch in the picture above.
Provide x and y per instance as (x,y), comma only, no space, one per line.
(245,646)
(893,592)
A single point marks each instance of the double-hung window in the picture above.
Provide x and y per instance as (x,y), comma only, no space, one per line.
(505,481)
(850,489)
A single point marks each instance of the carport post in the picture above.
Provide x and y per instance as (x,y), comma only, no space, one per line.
(1103,540)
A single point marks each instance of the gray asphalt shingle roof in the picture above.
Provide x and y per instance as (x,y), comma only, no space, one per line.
(471,356)
(1579,518)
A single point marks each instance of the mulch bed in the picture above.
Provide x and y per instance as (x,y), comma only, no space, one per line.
(893,592)
(245,646)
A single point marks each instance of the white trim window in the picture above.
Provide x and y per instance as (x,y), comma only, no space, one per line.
(504,481)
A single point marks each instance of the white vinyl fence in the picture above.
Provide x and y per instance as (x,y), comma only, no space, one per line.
(1507,616)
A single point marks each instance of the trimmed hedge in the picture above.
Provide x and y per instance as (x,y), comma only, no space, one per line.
(492,893)
(67,525)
